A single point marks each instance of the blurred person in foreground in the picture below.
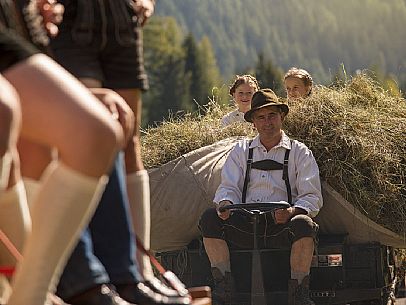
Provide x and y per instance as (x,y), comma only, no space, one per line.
(52,106)
(100,43)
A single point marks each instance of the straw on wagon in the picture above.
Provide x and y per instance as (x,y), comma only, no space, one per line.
(357,133)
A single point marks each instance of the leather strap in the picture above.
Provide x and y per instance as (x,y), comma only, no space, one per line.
(267,165)
(247,173)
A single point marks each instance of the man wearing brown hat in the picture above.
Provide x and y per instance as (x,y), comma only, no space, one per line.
(295,180)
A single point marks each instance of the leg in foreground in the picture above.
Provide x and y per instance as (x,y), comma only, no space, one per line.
(59,112)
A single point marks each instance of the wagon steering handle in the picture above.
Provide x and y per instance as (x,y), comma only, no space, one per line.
(256,208)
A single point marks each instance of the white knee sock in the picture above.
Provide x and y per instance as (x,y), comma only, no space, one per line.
(298,275)
(15,221)
(64,205)
(138,195)
(32,187)
(5,166)
(223,266)
(5,289)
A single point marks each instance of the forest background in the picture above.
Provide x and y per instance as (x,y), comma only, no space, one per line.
(194,48)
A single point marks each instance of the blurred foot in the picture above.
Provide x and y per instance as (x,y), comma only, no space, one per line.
(142,294)
(99,295)
(158,286)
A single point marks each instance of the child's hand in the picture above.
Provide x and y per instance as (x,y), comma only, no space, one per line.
(52,13)
(118,108)
(143,9)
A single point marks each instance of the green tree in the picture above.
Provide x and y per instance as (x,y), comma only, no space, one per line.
(317,35)
(268,75)
(194,69)
(210,78)
(202,70)
(164,60)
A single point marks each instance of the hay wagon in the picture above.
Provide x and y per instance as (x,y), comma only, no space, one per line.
(341,273)
(355,261)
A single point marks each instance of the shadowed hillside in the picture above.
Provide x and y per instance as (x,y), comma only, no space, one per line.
(317,35)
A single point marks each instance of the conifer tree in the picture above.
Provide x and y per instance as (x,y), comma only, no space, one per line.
(164,59)
(268,75)
(210,78)
(194,69)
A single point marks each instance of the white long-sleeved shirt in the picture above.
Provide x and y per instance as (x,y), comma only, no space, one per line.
(232,117)
(267,186)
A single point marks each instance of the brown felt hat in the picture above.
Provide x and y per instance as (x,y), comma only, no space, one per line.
(264,98)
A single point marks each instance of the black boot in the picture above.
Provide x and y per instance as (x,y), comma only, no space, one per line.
(141,294)
(299,294)
(223,287)
(99,295)
(158,286)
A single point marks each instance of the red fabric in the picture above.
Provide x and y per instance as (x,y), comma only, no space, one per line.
(7,271)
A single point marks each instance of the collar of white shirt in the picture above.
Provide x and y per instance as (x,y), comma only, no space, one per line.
(284,142)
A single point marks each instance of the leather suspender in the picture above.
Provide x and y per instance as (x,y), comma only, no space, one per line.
(285,174)
(247,173)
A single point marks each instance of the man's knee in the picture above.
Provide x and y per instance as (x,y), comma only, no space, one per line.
(209,223)
(303,226)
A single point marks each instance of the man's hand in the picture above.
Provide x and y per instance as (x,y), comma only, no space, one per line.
(52,13)
(143,9)
(226,214)
(284,215)
(118,108)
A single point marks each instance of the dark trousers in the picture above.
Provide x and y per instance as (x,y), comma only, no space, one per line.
(106,250)
(237,230)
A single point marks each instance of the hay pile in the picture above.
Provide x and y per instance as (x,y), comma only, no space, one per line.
(357,133)
(182,134)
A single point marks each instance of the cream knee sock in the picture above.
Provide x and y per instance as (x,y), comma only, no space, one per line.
(15,220)
(31,189)
(5,166)
(5,289)
(64,204)
(223,266)
(32,186)
(298,275)
(138,195)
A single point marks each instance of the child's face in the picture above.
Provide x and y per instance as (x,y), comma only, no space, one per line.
(295,88)
(242,97)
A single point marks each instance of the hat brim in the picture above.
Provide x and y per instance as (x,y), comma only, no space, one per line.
(248,114)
